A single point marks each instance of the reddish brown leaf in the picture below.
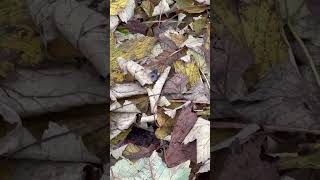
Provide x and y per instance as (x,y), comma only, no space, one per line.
(175,86)
(135,26)
(177,152)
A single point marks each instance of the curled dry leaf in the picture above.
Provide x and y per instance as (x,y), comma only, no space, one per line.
(88,28)
(155,92)
(122,118)
(126,90)
(139,73)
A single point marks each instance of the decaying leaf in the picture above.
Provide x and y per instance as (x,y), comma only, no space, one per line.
(122,118)
(116,153)
(176,86)
(190,70)
(139,73)
(162,34)
(117,6)
(166,125)
(149,168)
(161,8)
(190,7)
(200,133)
(154,93)
(177,151)
(126,90)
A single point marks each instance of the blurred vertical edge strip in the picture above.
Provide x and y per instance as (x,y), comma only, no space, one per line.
(211,86)
(108,92)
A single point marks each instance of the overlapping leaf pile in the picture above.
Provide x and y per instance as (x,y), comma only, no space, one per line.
(52,94)
(159,56)
(266,89)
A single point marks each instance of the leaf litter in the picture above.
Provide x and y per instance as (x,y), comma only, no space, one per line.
(159,53)
(52,89)
(266,89)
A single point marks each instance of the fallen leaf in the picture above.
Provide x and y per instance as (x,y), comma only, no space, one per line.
(127,13)
(117,6)
(198,93)
(178,152)
(161,8)
(165,125)
(242,137)
(116,153)
(200,133)
(154,93)
(139,73)
(190,7)
(119,91)
(122,118)
(149,168)
(245,163)
(190,70)
(176,86)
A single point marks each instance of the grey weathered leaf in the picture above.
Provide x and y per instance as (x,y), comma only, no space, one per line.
(84,28)
(52,90)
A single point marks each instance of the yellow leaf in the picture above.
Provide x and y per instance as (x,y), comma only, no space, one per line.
(131,149)
(148,7)
(262,26)
(165,123)
(120,137)
(190,70)
(134,49)
(199,25)
(116,6)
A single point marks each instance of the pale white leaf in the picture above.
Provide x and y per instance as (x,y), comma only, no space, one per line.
(201,133)
(115,105)
(145,118)
(161,8)
(127,107)
(149,168)
(199,93)
(164,101)
(155,92)
(128,11)
(205,167)
(204,1)
(126,90)
(181,16)
(172,112)
(114,22)
(139,73)
(156,51)
(186,58)
(116,153)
